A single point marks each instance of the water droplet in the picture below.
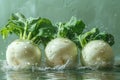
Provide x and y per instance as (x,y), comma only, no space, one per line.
(109,41)
(28,63)
(17,42)
(66,41)
(28,42)
(36,64)
(25,46)
(100,43)
(50,51)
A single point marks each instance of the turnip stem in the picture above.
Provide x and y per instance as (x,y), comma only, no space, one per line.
(61,32)
(25,31)
(33,39)
(20,34)
(29,35)
(82,41)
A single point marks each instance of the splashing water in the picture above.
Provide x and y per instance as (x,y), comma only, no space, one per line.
(5,67)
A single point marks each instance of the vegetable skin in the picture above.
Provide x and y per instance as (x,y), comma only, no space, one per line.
(97,53)
(23,54)
(59,51)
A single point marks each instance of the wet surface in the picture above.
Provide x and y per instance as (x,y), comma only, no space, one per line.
(46,73)
(60,75)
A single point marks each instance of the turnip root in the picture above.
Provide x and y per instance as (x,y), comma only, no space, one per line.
(97,53)
(23,54)
(59,51)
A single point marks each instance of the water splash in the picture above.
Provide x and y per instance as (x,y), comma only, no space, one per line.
(5,67)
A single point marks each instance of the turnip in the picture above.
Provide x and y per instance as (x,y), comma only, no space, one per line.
(62,51)
(96,50)
(24,52)
(97,53)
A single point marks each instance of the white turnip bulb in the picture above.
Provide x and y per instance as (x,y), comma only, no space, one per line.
(97,53)
(59,51)
(23,54)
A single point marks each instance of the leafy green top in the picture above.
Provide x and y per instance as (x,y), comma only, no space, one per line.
(35,29)
(95,34)
(40,30)
(74,30)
